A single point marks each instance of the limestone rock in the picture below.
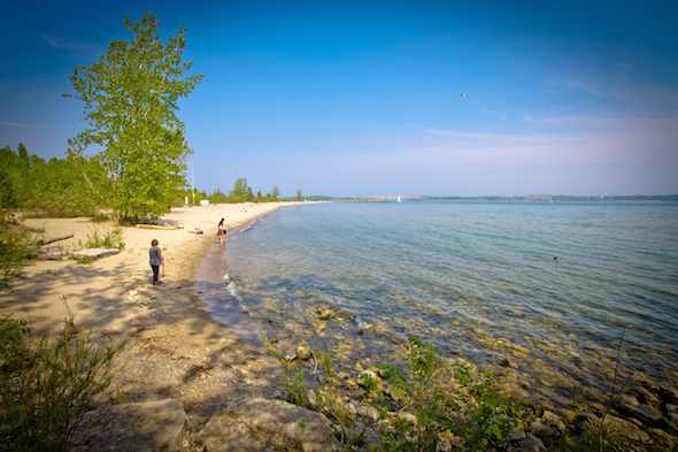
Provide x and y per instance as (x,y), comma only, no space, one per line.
(505,362)
(517,433)
(531,444)
(448,442)
(303,351)
(629,429)
(582,419)
(261,423)
(312,398)
(539,428)
(369,412)
(151,425)
(553,420)
(668,395)
(645,413)
(325,313)
(672,411)
(407,417)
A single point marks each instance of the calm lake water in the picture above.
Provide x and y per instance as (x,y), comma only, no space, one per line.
(556,285)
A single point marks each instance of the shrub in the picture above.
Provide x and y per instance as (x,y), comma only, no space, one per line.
(45,386)
(100,217)
(111,239)
(297,390)
(16,245)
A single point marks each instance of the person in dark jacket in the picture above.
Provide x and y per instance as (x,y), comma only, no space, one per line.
(156,260)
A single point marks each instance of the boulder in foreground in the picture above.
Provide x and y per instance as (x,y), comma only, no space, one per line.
(261,423)
(151,425)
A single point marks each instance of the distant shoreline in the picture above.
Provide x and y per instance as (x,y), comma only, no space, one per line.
(505,199)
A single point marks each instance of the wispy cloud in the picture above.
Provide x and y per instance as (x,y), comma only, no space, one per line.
(575,142)
(29,125)
(59,43)
(628,94)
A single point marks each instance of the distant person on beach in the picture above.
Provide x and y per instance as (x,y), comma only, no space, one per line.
(221,231)
(156,260)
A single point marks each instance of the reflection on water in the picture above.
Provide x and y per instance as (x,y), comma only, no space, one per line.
(221,298)
(553,286)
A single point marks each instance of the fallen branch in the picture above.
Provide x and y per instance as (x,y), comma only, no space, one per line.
(47,241)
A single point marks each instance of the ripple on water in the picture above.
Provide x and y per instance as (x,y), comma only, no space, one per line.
(477,279)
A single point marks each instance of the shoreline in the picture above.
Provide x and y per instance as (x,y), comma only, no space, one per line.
(173,348)
(177,350)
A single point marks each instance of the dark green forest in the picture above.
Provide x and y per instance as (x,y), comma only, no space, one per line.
(63,187)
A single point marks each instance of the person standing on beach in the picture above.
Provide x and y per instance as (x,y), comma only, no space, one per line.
(156,260)
(221,231)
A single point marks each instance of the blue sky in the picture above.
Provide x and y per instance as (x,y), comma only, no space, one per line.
(369,98)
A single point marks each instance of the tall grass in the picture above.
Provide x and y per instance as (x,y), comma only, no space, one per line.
(47,384)
(110,239)
(16,245)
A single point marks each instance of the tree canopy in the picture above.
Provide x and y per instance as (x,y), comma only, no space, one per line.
(130,97)
(70,186)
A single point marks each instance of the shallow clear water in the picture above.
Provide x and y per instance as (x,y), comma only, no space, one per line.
(466,274)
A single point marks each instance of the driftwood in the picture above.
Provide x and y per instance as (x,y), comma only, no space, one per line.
(52,254)
(94,253)
(159,226)
(47,241)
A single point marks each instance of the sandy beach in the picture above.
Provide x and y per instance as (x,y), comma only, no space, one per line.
(174,351)
(99,294)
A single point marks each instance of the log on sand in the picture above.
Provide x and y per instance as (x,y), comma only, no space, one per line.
(48,240)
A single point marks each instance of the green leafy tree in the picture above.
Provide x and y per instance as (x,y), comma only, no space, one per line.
(240,191)
(299,196)
(275,193)
(130,97)
(7,195)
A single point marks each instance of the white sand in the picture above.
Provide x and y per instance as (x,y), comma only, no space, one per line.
(112,294)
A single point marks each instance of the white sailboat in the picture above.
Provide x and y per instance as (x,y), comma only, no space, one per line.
(398,199)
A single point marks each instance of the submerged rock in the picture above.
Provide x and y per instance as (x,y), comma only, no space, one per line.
(554,421)
(448,442)
(629,429)
(582,420)
(303,352)
(369,412)
(531,444)
(541,429)
(312,398)
(326,313)
(517,433)
(261,423)
(672,412)
(645,413)
(505,362)
(407,417)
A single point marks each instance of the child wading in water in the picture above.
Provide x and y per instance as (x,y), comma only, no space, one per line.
(221,231)
(156,260)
